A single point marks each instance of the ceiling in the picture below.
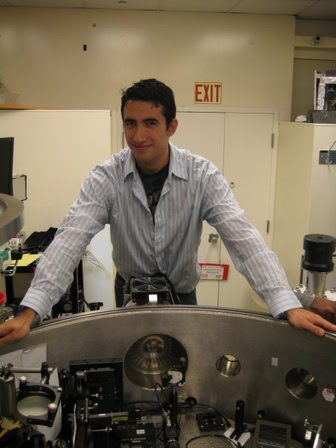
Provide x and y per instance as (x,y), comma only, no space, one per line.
(302,9)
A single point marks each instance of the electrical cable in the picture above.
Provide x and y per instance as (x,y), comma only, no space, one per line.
(90,257)
(202,436)
(157,395)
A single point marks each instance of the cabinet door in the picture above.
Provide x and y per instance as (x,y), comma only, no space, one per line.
(248,161)
(239,144)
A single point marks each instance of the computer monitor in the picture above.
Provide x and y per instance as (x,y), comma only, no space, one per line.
(6,165)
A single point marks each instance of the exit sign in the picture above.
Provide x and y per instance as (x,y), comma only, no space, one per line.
(208,92)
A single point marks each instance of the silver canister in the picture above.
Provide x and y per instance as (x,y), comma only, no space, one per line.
(8,396)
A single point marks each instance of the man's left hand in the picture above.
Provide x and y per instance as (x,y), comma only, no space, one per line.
(307,320)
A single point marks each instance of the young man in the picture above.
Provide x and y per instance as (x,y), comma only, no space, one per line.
(155,197)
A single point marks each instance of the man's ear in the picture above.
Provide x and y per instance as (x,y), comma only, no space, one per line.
(172,127)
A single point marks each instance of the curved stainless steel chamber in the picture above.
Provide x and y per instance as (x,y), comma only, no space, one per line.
(230,355)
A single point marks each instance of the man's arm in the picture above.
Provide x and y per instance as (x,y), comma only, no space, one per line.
(54,272)
(17,328)
(254,260)
(87,216)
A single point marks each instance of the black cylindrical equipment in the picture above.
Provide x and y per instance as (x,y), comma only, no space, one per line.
(319,250)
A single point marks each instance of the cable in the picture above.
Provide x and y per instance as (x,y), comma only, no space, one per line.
(235,445)
(90,257)
(157,395)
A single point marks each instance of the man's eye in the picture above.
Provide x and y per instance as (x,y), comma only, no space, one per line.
(128,124)
(151,123)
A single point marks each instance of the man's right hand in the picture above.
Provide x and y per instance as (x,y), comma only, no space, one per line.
(17,328)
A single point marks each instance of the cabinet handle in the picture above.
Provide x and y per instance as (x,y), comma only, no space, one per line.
(213,238)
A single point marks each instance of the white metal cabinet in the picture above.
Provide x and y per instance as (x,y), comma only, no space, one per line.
(241,145)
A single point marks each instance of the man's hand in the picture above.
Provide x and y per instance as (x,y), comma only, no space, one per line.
(17,328)
(305,319)
(325,308)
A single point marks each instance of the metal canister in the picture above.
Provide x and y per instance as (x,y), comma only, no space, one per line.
(8,396)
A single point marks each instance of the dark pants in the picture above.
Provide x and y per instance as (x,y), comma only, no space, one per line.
(185,299)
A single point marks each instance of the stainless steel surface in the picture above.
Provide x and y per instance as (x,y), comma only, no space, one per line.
(267,350)
(11,217)
(316,283)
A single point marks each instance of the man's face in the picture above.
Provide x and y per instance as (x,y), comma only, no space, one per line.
(147,135)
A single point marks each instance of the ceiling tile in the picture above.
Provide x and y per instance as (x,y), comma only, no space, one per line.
(302,9)
(46,3)
(322,10)
(197,5)
(123,4)
(285,7)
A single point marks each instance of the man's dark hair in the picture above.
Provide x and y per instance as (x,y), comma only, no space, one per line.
(153,91)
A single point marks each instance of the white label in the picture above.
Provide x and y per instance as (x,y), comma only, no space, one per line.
(211,271)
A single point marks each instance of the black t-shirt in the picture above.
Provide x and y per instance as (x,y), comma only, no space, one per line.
(153,184)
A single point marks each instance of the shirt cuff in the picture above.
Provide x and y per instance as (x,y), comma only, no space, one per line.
(280,303)
(37,319)
(37,301)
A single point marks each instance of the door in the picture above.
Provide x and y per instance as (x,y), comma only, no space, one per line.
(248,161)
(240,145)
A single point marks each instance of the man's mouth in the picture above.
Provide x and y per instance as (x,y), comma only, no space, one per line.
(141,147)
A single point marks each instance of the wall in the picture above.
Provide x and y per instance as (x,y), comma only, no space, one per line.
(42,57)
(293,189)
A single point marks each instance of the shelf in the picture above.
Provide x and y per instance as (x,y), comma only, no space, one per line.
(19,107)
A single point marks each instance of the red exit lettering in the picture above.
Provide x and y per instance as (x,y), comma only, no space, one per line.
(208,92)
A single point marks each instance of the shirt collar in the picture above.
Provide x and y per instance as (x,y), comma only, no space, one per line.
(176,163)
(130,166)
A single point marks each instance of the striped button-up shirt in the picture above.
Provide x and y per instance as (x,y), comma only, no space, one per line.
(194,191)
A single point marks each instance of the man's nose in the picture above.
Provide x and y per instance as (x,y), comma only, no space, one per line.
(139,134)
